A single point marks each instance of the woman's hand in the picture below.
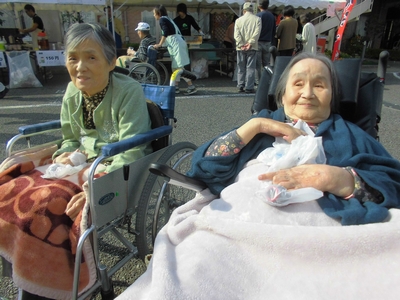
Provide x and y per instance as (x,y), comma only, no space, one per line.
(156,46)
(75,205)
(324,178)
(63,158)
(130,51)
(268,126)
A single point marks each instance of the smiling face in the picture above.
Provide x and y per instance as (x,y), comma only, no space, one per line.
(308,91)
(88,68)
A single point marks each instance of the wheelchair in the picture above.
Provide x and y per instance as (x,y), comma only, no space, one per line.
(129,204)
(152,71)
(361,104)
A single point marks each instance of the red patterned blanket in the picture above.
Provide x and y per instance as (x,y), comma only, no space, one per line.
(36,236)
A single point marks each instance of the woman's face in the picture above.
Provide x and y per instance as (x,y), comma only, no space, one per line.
(88,68)
(156,16)
(308,91)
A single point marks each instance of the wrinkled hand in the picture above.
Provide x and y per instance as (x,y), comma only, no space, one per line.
(63,158)
(280,129)
(131,51)
(272,127)
(324,178)
(75,205)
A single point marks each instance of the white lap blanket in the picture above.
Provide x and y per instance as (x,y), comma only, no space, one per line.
(239,247)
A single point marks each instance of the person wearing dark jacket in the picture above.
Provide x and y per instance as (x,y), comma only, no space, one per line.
(184,21)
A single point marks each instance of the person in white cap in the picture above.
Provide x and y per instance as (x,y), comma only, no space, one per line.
(146,39)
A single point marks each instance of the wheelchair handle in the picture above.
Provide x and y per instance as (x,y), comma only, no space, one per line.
(382,65)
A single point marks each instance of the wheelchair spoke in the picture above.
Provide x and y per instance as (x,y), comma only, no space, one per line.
(159,199)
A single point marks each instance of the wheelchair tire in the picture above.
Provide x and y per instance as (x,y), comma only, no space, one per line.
(159,198)
(164,75)
(145,73)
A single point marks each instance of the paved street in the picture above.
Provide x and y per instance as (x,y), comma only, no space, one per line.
(216,108)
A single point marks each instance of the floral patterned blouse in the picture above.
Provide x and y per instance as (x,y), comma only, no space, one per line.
(90,103)
(231,144)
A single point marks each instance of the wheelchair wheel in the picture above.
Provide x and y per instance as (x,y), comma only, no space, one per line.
(159,199)
(145,73)
(162,70)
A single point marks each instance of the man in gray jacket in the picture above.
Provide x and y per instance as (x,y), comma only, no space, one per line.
(247,32)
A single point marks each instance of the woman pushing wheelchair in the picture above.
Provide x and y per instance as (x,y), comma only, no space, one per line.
(231,242)
(99,107)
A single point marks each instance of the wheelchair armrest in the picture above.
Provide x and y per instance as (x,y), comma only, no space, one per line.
(139,139)
(176,178)
(36,128)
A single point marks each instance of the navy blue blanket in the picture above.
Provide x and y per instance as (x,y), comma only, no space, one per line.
(345,144)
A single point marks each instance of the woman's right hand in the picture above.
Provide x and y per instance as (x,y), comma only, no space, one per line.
(131,51)
(272,127)
(63,158)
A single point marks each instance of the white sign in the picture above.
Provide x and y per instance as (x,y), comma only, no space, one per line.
(2,60)
(50,58)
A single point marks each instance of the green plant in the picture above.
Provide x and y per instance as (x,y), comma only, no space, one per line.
(69,18)
(374,28)
(133,45)
(328,53)
(355,45)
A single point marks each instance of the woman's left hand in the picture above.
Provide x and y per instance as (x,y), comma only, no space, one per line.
(324,178)
(75,205)
(156,46)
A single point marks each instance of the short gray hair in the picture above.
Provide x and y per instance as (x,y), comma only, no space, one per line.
(336,90)
(80,32)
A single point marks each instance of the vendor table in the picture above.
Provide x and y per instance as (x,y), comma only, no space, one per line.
(227,55)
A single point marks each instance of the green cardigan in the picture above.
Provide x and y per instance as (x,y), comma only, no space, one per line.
(121,114)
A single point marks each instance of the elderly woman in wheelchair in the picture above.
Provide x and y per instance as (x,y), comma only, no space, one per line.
(236,241)
(99,107)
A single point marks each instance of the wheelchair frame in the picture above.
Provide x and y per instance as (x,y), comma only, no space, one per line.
(152,71)
(150,207)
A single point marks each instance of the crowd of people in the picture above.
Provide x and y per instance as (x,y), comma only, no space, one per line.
(251,35)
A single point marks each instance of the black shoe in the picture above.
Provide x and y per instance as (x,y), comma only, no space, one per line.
(249,91)
(241,90)
(3,93)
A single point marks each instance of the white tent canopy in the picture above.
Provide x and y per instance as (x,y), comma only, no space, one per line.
(313,4)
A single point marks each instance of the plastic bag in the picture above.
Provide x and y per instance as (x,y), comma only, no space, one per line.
(58,170)
(283,155)
(20,69)
(277,195)
(200,68)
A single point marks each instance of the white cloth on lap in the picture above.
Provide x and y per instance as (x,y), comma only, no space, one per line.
(238,247)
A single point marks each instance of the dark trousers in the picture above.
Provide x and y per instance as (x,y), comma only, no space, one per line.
(286,52)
